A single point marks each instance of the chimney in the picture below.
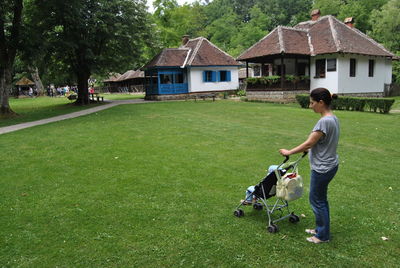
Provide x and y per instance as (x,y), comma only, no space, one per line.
(185,39)
(315,14)
(349,22)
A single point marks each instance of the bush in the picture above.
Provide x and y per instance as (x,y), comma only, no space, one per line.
(303,100)
(264,80)
(240,92)
(292,78)
(381,105)
(253,80)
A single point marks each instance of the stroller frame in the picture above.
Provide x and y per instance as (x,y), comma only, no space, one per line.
(261,202)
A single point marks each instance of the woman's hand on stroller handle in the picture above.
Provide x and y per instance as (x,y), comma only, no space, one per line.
(285,152)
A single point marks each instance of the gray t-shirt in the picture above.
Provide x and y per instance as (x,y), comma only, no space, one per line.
(323,156)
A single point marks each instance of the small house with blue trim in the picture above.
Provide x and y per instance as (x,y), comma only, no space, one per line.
(197,67)
(321,52)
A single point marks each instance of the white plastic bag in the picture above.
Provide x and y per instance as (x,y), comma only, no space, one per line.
(290,187)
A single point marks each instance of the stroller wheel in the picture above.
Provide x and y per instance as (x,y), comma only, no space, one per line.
(238,213)
(294,218)
(273,228)
(258,206)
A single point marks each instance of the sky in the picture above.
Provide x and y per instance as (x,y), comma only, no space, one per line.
(180,2)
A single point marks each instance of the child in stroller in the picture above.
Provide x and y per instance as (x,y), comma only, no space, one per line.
(287,186)
(250,198)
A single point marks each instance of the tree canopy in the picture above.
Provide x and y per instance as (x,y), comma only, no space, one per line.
(93,35)
(69,41)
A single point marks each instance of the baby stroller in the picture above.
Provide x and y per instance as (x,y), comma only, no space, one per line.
(285,185)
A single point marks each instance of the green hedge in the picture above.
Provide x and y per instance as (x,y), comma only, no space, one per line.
(271,80)
(381,105)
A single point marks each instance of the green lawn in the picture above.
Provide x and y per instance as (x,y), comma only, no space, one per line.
(123,96)
(31,109)
(155,185)
(396,105)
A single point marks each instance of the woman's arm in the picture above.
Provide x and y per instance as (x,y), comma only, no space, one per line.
(310,142)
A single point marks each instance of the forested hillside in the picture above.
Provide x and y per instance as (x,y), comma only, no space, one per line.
(235,25)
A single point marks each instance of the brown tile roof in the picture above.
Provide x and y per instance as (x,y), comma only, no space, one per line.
(113,77)
(196,52)
(169,57)
(131,74)
(205,53)
(280,40)
(326,35)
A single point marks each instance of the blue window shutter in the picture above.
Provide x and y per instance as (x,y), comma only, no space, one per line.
(204,76)
(228,76)
(218,76)
(213,76)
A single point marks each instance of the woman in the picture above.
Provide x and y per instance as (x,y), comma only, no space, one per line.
(324,162)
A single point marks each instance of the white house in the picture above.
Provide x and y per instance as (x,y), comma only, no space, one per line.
(197,67)
(328,52)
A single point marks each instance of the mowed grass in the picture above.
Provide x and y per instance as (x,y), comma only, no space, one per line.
(122,96)
(31,109)
(156,184)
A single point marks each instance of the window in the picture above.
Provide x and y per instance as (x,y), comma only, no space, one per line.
(371,66)
(166,79)
(331,65)
(352,67)
(178,78)
(209,76)
(224,76)
(320,68)
(257,70)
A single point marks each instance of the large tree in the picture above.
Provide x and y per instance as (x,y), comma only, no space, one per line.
(90,36)
(10,23)
(174,21)
(386,29)
(360,10)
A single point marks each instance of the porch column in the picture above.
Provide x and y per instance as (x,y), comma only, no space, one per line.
(282,76)
(247,69)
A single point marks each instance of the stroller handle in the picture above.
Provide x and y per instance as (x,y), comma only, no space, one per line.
(287,157)
(292,164)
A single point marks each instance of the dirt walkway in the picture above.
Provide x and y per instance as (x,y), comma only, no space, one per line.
(13,128)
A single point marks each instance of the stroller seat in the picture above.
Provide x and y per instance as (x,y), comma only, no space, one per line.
(266,188)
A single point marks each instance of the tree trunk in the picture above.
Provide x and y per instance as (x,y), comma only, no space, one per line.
(5,89)
(83,88)
(8,50)
(36,78)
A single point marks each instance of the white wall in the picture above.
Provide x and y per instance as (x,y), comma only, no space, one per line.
(341,82)
(331,78)
(388,71)
(361,83)
(196,84)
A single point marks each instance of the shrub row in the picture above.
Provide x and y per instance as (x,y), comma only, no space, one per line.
(381,105)
(271,80)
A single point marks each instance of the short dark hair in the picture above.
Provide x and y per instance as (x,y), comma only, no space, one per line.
(322,94)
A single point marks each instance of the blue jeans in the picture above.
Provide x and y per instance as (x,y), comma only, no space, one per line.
(319,201)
